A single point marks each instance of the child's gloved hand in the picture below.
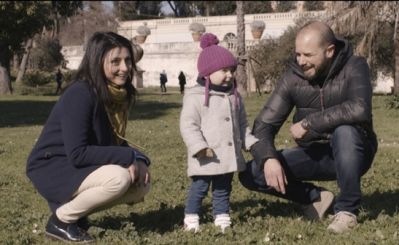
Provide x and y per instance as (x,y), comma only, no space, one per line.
(206,152)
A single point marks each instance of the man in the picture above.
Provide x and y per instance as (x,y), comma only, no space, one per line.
(58,79)
(331,91)
(163,80)
(182,82)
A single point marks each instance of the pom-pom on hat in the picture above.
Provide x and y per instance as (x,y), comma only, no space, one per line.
(213,57)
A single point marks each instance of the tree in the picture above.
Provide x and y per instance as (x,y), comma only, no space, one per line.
(256,7)
(137,10)
(46,56)
(62,9)
(285,6)
(396,40)
(241,72)
(221,8)
(19,22)
(58,10)
(363,22)
(77,29)
(269,59)
(186,8)
(313,5)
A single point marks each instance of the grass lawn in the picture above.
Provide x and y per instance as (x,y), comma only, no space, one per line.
(154,124)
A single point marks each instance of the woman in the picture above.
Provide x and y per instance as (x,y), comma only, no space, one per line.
(81,162)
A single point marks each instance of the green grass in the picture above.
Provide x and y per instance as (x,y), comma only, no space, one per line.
(257,218)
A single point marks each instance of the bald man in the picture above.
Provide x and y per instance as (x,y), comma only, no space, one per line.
(331,92)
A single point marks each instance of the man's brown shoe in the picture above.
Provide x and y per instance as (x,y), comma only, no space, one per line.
(343,221)
(317,209)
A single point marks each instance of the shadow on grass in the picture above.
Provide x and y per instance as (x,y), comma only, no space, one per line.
(27,112)
(30,112)
(262,208)
(385,202)
(151,109)
(164,220)
(168,219)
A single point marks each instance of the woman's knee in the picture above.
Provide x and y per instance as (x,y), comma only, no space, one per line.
(136,194)
(118,180)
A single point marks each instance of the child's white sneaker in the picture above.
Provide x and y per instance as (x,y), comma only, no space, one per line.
(223,221)
(191,222)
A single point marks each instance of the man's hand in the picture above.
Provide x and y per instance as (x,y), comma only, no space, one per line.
(274,175)
(297,131)
(139,173)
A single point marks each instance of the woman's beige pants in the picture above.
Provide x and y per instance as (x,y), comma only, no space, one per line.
(107,186)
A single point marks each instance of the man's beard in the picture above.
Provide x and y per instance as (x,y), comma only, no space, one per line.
(320,73)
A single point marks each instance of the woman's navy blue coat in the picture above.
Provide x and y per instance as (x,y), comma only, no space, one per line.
(76,140)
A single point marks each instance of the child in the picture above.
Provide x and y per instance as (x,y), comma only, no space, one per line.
(214,128)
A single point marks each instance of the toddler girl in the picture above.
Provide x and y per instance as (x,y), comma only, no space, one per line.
(214,128)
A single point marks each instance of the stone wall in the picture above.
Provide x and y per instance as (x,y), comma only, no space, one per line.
(170,46)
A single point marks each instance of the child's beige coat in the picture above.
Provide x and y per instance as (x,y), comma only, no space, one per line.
(221,127)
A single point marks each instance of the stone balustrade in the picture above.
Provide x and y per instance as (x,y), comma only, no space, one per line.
(176,29)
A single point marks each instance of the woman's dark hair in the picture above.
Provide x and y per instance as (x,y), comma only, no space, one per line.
(91,69)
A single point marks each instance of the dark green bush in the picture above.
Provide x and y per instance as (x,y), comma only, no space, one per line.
(271,56)
(393,102)
(46,56)
(37,78)
(69,75)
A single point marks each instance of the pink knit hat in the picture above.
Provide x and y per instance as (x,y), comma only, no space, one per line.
(213,57)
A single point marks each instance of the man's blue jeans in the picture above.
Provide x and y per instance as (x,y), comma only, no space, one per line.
(221,189)
(346,158)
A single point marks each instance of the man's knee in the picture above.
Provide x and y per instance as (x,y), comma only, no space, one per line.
(348,148)
(346,139)
(247,179)
(345,134)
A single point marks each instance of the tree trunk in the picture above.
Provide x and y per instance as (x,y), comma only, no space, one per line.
(207,8)
(396,43)
(56,27)
(24,62)
(5,81)
(174,9)
(241,71)
(15,62)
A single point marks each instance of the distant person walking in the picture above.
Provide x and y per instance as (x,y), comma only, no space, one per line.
(58,79)
(163,79)
(182,81)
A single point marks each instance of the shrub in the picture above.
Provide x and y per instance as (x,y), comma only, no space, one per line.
(393,102)
(37,78)
(46,55)
(271,56)
(69,75)
(313,5)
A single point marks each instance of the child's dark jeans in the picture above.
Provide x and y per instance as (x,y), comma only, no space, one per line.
(221,189)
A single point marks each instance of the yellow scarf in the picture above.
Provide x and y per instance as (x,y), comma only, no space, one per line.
(118,112)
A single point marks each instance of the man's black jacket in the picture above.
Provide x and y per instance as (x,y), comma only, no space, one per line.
(343,98)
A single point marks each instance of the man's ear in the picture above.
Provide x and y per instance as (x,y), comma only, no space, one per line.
(330,50)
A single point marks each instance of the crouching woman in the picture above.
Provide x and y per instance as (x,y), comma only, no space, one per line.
(81,162)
